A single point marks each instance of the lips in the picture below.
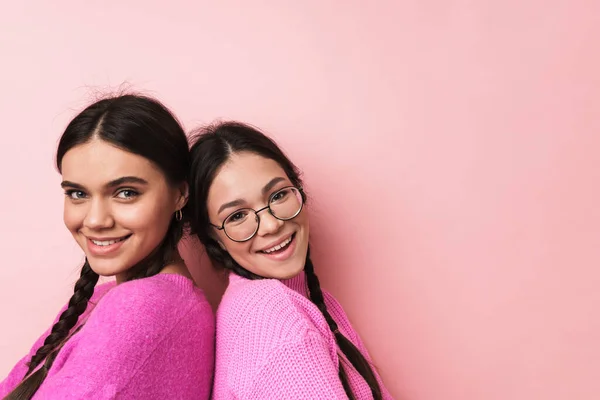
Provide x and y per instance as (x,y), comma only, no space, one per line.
(278,245)
(108,242)
(105,247)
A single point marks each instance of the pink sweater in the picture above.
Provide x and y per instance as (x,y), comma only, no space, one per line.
(151,338)
(274,343)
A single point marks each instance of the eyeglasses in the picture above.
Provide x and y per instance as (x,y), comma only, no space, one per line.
(241,225)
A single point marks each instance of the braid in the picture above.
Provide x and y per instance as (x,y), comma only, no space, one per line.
(29,386)
(84,289)
(346,346)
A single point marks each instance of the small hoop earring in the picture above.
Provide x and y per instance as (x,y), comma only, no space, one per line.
(178,215)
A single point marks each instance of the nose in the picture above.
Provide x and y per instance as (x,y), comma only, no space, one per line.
(268,224)
(98,215)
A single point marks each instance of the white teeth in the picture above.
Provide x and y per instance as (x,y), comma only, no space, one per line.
(279,246)
(105,242)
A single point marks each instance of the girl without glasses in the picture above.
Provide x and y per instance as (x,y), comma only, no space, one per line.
(149,335)
(279,336)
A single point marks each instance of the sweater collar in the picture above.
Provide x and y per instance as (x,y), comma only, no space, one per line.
(297,284)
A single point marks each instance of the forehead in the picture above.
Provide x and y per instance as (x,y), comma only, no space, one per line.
(243,176)
(99,162)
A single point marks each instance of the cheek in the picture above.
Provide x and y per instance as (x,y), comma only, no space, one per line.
(302,220)
(73,216)
(238,251)
(143,215)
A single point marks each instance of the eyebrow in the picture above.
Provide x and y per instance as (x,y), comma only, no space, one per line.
(111,184)
(127,179)
(238,202)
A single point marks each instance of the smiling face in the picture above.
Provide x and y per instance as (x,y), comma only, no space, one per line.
(118,205)
(247,180)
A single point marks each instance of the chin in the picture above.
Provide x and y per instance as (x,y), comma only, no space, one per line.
(289,275)
(283,272)
(105,267)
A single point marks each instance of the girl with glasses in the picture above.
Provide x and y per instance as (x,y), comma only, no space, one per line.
(279,335)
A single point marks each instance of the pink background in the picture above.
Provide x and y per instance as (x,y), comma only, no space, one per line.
(450,148)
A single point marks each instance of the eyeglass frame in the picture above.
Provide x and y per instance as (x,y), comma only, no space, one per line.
(268,206)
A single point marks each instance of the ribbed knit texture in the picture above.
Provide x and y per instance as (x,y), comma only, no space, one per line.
(274,343)
(150,338)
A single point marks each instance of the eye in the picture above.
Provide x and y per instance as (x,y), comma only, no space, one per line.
(237,217)
(281,195)
(127,194)
(75,194)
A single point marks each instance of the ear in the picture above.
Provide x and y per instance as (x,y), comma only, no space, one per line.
(183,191)
(222,245)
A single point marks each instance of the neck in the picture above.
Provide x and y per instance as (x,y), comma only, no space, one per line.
(176,266)
(297,283)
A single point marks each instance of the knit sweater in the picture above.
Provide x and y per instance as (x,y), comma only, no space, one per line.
(274,343)
(150,338)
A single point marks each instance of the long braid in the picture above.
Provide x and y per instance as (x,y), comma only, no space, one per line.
(84,289)
(28,387)
(346,346)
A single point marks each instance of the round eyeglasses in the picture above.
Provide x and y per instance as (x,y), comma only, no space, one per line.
(241,225)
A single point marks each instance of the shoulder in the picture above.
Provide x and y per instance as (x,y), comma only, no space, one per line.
(257,297)
(152,291)
(162,299)
(140,316)
(254,304)
(262,322)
